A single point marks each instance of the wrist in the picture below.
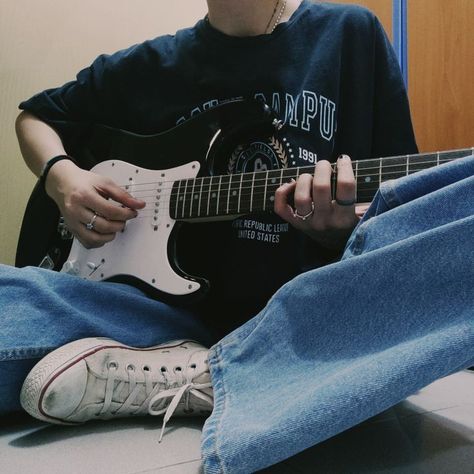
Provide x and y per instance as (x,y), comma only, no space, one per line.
(53,169)
(49,165)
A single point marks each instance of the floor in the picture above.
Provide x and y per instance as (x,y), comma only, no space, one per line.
(430,432)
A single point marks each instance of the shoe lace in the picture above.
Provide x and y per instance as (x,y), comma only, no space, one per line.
(177,394)
(173,387)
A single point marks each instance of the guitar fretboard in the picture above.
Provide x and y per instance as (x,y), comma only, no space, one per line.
(237,194)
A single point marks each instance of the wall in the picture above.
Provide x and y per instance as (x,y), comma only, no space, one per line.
(440,43)
(441,72)
(44,43)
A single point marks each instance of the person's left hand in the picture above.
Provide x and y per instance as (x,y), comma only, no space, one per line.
(327,221)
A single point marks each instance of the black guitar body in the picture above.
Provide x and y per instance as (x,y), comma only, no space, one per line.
(208,138)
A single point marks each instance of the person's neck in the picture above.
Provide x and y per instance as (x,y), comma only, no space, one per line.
(249,17)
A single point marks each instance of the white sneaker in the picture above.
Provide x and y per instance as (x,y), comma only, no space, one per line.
(98,378)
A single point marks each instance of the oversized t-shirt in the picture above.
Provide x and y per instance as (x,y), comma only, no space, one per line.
(330,75)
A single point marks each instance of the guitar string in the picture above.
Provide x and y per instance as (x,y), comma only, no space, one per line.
(227,193)
(236,187)
(246,195)
(377,161)
(192,209)
(206,187)
(384,168)
(243,203)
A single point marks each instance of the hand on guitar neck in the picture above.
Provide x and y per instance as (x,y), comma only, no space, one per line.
(309,204)
(94,207)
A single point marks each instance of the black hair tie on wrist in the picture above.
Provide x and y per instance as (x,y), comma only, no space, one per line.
(47,166)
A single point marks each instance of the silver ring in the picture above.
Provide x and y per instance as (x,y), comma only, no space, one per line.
(90,225)
(306,216)
(345,202)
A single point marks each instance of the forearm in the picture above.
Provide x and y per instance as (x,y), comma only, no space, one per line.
(38,141)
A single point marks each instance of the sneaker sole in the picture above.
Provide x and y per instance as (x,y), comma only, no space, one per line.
(58,361)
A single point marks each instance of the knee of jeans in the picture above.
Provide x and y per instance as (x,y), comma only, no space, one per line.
(384,200)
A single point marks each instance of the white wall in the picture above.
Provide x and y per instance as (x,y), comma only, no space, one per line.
(44,43)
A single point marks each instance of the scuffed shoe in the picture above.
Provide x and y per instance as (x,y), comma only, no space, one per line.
(98,378)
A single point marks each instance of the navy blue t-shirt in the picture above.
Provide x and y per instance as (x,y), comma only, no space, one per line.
(329,73)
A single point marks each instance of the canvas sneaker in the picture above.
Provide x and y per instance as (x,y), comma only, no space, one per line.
(98,378)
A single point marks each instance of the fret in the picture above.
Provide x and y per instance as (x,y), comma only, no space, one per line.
(184,197)
(290,173)
(234,194)
(259,191)
(214,195)
(218,195)
(380,172)
(407,171)
(240,192)
(193,198)
(209,196)
(420,162)
(455,154)
(274,178)
(228,194)
(246,192)
(367,180)
(251,191)
(394,167)
(223,195)
(203,201)
(437,158)
(356,173)
(265,191)
(178,184)
(303,169)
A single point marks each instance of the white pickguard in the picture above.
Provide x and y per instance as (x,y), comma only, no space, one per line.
(141,250)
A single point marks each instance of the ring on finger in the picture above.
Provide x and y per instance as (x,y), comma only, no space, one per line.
(345,202)
(90,225)
(305,216)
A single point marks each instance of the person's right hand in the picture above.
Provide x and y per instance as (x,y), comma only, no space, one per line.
(81,194)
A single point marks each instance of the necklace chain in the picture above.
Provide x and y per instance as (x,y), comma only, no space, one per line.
(278,19)
(271,18)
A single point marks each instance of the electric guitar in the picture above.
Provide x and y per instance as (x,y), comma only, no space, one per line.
(144,254)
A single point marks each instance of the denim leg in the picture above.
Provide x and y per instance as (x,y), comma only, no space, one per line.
(340,344)
(41,310)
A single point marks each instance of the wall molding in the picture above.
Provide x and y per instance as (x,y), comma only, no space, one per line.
(400,35)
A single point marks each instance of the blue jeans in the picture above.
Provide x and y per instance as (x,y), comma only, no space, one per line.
(332,347)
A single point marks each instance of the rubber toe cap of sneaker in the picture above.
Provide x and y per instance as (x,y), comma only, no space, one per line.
(64,394)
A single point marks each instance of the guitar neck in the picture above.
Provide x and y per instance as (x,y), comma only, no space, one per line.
(231,195)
